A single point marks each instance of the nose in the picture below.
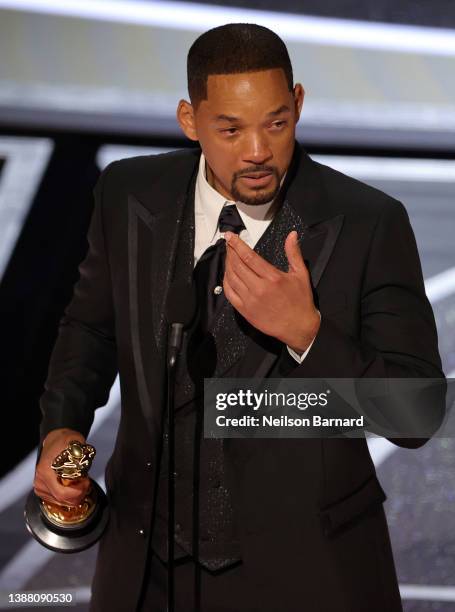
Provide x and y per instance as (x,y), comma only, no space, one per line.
(258,150)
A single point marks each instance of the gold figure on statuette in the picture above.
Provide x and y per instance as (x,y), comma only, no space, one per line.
(71,465)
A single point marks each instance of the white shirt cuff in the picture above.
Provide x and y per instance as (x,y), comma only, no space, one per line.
(296,356)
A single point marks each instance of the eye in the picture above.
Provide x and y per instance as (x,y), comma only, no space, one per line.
(230,131)
(279,124)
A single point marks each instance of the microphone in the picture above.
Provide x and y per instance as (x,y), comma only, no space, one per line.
(179,312)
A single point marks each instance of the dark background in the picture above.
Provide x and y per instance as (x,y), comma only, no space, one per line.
(438,13)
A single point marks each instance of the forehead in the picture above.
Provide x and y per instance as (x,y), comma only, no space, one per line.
(247,90)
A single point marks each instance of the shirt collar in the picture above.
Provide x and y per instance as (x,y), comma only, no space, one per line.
(211,202)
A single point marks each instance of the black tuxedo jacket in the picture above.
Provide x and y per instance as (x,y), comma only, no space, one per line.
(309,512)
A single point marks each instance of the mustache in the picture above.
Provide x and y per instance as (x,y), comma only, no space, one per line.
(255,170)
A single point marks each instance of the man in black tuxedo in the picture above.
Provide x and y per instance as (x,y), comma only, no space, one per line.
(321,279)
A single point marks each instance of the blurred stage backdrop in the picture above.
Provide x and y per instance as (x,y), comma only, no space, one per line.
(83,82)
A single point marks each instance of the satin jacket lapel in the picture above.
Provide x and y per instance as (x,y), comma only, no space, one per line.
(154,220)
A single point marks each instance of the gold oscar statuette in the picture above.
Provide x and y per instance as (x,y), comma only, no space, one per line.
(66,528)
(71,465)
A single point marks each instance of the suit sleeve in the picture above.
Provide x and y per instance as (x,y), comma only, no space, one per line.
(83,363)
(398,337)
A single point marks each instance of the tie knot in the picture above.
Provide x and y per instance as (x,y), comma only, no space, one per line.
(230,220)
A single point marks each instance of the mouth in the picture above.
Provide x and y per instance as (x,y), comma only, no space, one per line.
(257,179)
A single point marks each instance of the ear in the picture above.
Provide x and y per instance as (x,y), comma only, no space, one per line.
(185,117)
(299,95)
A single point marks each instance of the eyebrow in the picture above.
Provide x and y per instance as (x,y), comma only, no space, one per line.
(232,119)
(283,109)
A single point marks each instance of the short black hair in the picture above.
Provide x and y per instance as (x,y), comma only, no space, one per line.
(234,48)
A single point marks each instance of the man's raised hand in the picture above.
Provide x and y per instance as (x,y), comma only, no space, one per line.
(279,304)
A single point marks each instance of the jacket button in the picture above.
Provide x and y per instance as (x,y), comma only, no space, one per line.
(148,465)
(141,532)
(178,527)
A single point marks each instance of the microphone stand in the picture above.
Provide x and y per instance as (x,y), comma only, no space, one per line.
(179,312)
(172,356)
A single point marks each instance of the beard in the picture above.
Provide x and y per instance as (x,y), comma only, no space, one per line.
(259,195)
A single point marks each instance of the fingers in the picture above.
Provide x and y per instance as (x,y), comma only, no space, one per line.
(238,275)
(70,498)
(231,295)
(47,497)
(49,489)
(250,258)
(46,483)
(293,253)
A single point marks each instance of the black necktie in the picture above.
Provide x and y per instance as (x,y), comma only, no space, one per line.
(209,271)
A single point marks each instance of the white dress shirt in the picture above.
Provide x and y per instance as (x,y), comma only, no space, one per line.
(207,208)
